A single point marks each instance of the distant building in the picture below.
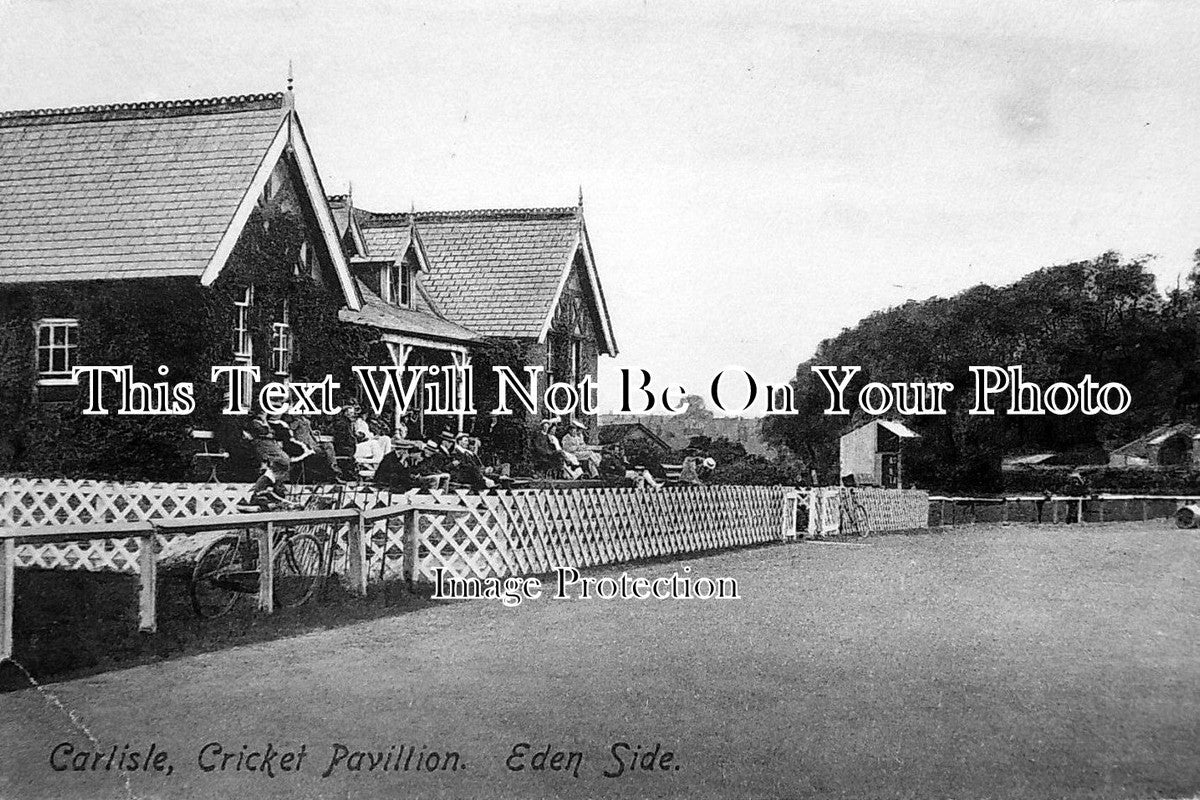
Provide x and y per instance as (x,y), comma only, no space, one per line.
(871,453)
(1165,446)
(677,431)
(631,433)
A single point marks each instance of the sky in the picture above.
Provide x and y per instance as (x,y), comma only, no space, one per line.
(756,176)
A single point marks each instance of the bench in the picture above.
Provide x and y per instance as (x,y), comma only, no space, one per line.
(209,455)
(672,471)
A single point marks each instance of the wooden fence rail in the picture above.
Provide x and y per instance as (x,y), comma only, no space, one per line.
(1053,509)
(146,533)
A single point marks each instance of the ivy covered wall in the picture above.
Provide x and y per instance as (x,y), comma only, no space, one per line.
(173,322)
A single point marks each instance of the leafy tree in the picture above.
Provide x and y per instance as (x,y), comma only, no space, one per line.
(1102,317)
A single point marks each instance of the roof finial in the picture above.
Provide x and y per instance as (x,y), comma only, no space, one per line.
(289,99)
(581,195)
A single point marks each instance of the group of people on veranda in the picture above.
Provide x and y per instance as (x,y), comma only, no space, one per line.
(288,449)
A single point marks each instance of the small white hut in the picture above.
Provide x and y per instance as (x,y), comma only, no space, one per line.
(871,453)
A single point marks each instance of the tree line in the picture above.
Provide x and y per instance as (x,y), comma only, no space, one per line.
(1104,317)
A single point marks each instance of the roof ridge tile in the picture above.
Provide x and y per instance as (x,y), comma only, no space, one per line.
(144,109)
(547,212)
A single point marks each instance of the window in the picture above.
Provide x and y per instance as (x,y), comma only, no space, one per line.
(243,344)
(405,286)
(397,284)
(57,350)
(281,342)
(307,263)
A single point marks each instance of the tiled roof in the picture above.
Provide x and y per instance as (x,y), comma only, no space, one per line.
(126,191)
(1141,446)
(339,207)
(389,242)
(379,314)
(496,271)
(616,432)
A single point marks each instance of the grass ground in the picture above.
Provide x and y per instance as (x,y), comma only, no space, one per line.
(984,662)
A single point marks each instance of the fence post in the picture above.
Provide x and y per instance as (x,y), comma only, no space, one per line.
(1144,511)
(266,569)
(814,512)
(411,569)
(8,560)
(148,589)
(356,556)
(1079,519)
(1003,510)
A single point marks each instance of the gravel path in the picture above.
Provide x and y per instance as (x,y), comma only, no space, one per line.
(991,662)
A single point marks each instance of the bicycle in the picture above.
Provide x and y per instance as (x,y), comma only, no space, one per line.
(227,567)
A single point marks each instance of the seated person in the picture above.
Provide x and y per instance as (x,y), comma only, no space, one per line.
(548,455)
(371,447)
(696,470)
(573,444)
(345,436)
(432,467)
(613,465)
(270,490)
(394,472)
(647,470)
(321,464)
(470,466)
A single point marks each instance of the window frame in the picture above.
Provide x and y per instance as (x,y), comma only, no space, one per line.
(283,347)
(405,294)
(395,282)
(69,346)
(243,334)
(243,339)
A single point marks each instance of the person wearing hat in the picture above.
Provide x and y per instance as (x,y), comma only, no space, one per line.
(470,466)
(344,438)
(696,470)
(270,490)
(431,466)
(573,444)
(547,452)
(393,471)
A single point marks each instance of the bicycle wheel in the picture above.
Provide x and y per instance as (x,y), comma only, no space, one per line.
(299,569)
(210,597)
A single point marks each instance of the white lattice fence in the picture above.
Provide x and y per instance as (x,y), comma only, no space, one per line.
(505,533)
(536,531)
(28,502)
(32,502)
(894,509)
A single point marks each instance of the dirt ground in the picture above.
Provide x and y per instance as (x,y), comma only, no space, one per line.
(981,662)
